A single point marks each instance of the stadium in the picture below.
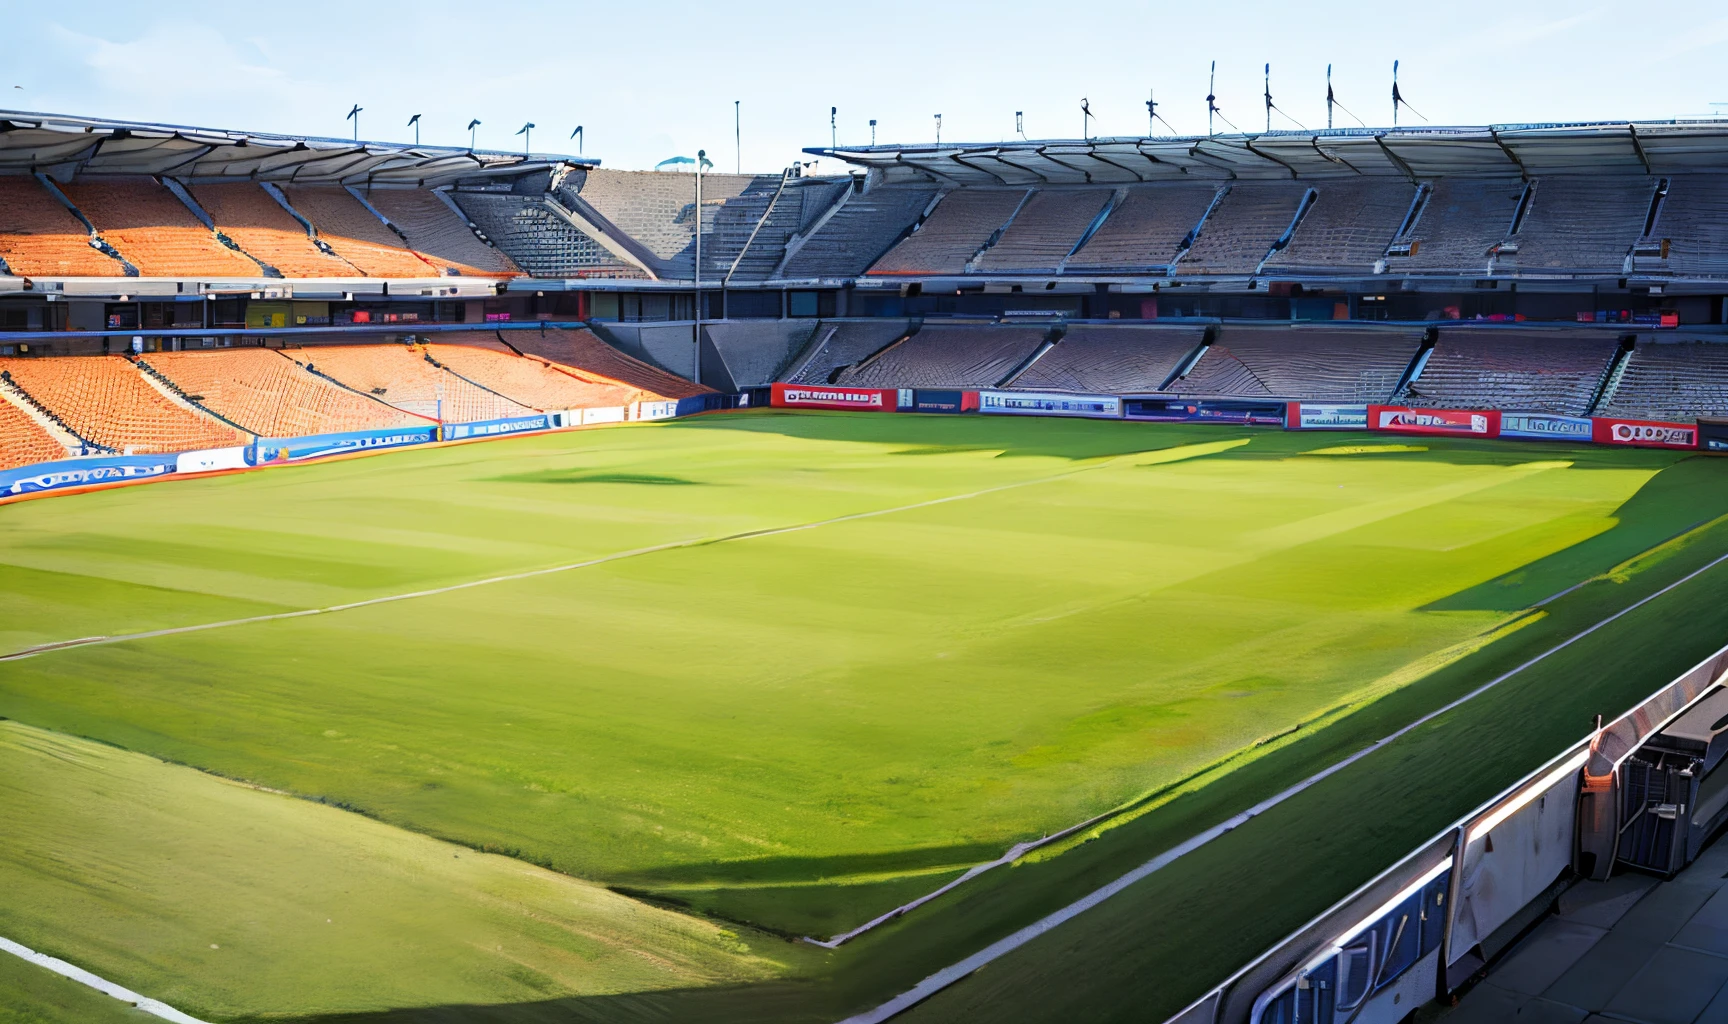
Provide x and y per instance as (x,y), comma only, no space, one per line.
(1252,578)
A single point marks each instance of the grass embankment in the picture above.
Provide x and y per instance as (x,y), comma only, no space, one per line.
(225,901)
(804,729)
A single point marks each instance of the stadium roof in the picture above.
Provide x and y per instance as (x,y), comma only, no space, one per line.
(1652,147)
(63,146)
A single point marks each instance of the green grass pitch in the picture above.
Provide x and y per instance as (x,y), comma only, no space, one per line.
(867,652)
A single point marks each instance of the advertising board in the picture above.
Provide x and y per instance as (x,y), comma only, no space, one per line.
(1225,411)
(941,401)
(1713,436)
(1645,433)
(603,414)
(1325,416)
(496,428)
(655,410)
(314,446)
(1400,419)
(50,476)
(1541,426)
(1040,403)
(211,459)
(827,396)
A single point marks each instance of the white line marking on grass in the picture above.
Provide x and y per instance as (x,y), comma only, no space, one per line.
(954,972)
(1160,456)
(104,986)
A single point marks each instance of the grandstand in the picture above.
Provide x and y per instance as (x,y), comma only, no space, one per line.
(439,234)
(1671,379)
(23,440)
(114,404)
(404,376)
(270,395)
(948,356)
(354,233)
(580,353)
(1457,224)
(1523,369)
(963,223)
(153,229)
(525,380)
(1146,230)
(1112,360)
(1243,226)
(266,231)
(856,231)
(1304,362)
(836,346)
(40,237)
(1046,230)
(1349,227)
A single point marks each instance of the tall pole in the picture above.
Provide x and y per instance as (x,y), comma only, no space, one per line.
(1328,97)
(938,129)
(738,136)
(696,324)
(1268,97)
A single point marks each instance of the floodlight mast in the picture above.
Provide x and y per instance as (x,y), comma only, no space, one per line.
(696,322)
(354,115)
(414,122)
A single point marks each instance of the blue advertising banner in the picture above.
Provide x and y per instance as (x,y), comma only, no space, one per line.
(1268,414)
(49,476)
(1541,426)
(495,428)
(293,449)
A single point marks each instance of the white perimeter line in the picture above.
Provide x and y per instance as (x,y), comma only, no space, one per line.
(949,975)
(79,974)
(94,641)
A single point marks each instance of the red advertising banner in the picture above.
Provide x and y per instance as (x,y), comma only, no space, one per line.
(827,396)
(1644,433)
(1400,419)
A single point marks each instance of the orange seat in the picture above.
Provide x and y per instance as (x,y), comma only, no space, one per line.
(402,377)
(273,396)
(40,238)
(22,441)
(108,401)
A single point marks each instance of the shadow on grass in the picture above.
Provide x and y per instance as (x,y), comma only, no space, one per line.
(796,869)
(1678,499)
(935,434)
(779,1001)
(579,476)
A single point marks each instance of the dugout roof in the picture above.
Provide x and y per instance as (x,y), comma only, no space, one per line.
(1646,147)
(64,147)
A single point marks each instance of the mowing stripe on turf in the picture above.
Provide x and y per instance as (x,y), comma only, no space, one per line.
(79,974)
(1160,456)
(954,972)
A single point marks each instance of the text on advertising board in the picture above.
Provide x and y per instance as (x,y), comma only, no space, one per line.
(1405,420)
(1645,433)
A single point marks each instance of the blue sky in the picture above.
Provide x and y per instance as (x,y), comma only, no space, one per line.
(650,80)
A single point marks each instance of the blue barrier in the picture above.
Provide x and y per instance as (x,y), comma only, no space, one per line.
(294,449)
(495,428)
(50,476)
